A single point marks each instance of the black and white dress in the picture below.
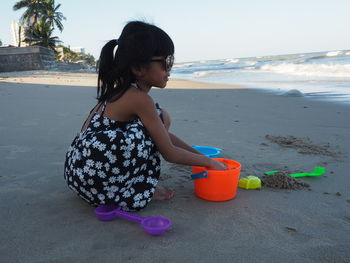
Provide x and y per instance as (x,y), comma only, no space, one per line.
(113,162)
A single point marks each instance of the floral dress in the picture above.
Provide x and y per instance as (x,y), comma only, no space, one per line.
(113,162)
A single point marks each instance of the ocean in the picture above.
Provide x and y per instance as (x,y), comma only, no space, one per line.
(320,75)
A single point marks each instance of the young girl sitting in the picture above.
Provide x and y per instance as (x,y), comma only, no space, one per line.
(115,159)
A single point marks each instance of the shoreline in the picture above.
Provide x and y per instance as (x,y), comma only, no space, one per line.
(88,78)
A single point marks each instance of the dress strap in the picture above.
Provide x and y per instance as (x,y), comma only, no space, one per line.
(160,112)
(104,104)
(96,109)
(93,112)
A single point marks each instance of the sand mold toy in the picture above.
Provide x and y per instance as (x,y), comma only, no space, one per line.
(250,182)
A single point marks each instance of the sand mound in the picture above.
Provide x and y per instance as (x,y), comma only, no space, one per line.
(282,180)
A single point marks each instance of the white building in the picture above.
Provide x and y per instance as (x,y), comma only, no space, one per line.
(17,32)
(78,49)
(60,53)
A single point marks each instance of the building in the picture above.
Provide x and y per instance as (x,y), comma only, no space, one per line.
(18,36)
(78,49)
(60,53)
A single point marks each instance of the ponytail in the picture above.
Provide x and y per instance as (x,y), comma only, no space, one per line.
(105,69)
(107,56)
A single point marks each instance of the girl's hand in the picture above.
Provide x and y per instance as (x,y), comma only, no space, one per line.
(215,165)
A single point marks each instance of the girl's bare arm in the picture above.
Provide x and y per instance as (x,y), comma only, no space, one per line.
(146,110)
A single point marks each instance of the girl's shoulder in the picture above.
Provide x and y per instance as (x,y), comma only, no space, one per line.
(138,97)
(134,103)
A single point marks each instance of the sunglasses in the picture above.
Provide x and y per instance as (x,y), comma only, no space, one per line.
(168,62)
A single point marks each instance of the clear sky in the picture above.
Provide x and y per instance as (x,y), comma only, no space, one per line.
(206,29)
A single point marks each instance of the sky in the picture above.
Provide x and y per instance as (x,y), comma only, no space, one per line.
(206,29)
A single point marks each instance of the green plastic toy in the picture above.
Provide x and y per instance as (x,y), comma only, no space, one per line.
(250,182)
(318,170)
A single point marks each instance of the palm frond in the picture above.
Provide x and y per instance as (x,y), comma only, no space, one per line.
(21,4)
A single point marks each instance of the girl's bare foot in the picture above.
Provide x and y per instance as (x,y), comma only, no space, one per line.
(163,193)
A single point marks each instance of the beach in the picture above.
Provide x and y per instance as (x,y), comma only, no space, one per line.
(42,220)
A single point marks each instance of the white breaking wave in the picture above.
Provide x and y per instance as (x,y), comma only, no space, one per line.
(203,74)
(250,62)
(334,53)
(316,70)
(232,60)
(182,65)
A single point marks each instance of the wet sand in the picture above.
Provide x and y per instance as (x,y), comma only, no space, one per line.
(43,221)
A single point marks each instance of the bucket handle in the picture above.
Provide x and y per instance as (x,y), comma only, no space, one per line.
(203,174)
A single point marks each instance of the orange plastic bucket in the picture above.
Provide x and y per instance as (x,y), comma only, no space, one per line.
(215,185)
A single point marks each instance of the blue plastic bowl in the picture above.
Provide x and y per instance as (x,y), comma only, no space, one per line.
(208,151)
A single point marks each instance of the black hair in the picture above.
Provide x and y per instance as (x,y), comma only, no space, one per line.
(137,44)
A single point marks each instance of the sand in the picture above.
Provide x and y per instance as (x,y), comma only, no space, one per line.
(43,221)
(304,145)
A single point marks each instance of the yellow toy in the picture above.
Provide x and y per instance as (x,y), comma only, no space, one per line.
(250,182)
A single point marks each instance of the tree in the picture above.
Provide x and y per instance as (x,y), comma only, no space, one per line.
(52,15)
(34,9)
(0,42)
(72,56)
(41,35)
(89,59)
(30,16)
(40,18)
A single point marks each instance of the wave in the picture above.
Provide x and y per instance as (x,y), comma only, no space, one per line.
(318,64)
(203,74)
(334,53)
(232,60)
(183,65)
(312,73)
(312,69)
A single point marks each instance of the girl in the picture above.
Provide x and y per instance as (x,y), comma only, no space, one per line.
(115,158)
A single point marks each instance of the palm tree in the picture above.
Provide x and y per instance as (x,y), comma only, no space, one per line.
(32,13)
(42,35)
(52,15)
(34,8)
(41,16)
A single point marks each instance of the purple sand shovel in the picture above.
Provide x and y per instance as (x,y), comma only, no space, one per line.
(154,225)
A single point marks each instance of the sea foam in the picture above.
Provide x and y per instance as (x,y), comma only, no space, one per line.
(312,69)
